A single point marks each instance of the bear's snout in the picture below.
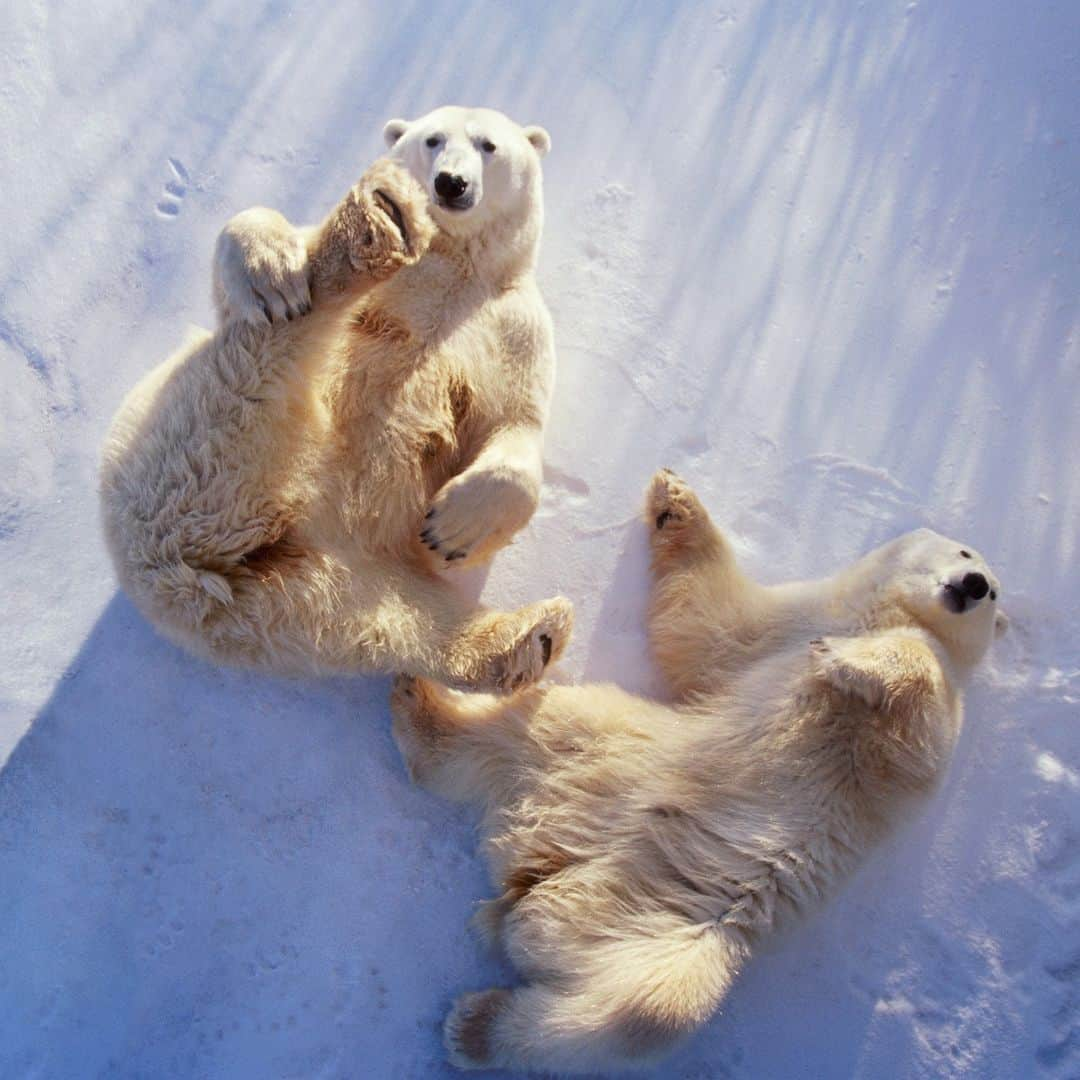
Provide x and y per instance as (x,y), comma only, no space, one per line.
(450,186)
(971,588)
(976,586)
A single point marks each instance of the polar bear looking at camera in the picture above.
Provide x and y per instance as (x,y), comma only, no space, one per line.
(640,852)
(286,492)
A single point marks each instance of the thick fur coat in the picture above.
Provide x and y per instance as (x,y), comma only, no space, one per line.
(641,851)
(285,492)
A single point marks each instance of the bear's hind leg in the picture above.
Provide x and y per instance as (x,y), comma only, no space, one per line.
(484,746)
(465,747)
(418,624)
(636,999)
(508,651)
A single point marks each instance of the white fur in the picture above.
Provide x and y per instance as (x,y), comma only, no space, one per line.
(640,851)
(281,493)
(497,178)
(261,268)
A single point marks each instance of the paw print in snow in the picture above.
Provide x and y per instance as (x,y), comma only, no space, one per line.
(174,190)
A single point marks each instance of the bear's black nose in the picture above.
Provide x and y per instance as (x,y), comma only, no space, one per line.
(450,186)
(975,585)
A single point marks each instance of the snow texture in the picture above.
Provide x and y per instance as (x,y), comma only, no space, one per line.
(821,258)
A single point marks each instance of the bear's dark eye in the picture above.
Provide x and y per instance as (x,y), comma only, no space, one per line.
(993,595)
(965,554)
(432,140)
(487,146)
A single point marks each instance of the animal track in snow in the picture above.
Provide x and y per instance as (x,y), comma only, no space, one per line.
(174,190)
(562,492)
(558,478)
(873,489)
(567,496)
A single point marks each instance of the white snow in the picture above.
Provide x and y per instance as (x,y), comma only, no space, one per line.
(821,258)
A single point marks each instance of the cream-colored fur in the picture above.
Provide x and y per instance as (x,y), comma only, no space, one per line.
(370,411)
(641,851)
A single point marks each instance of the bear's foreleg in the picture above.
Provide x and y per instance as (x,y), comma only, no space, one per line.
(912,722)
(895,672)
(698,593)
(261,268)
(478,511)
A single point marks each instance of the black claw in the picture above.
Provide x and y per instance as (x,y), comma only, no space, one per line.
(434,547)
(430,514)
(455,555)
(662,519)
(545,647)
(425,535)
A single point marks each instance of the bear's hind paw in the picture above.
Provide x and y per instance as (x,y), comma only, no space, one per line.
(547,631)
(467,1030)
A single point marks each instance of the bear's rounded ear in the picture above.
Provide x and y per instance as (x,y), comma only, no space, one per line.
(1001,623)
(539,138)
(394,130)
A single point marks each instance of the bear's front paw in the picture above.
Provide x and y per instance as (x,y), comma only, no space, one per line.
(260,269)
(670,505)
(474,515)
(379,227)
(829,662)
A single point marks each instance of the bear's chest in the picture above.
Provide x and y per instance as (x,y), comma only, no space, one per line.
(407,410)
(416,351)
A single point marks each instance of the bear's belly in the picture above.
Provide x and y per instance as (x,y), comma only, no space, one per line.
(396,433)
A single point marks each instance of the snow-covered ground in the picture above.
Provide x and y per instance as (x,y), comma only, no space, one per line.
(822,258)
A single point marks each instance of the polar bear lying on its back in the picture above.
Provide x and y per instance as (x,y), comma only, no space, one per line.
(642,851)
(281,493)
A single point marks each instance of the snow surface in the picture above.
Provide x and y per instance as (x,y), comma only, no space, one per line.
(822,258)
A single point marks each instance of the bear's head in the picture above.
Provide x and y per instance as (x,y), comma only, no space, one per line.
(947,587)
(479,167)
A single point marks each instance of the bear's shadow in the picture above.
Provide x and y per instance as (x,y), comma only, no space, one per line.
(196,857)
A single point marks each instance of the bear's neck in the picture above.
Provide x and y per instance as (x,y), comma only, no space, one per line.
(502,252)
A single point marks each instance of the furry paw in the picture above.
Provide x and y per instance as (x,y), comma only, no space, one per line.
(467,1031)
(379,227)
(260,269)
(670,504)
(474,515)
(829,663)
(897,672)
(545,630)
